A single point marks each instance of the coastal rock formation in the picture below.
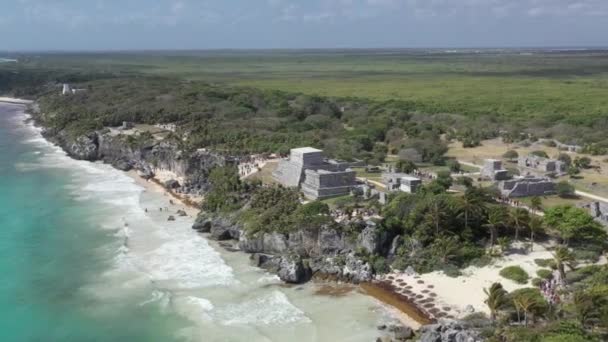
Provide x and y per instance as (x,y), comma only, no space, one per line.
(84,147)
(326,251)
(145,156)
(172,184)
(224,229)
(448,332)
(293,270)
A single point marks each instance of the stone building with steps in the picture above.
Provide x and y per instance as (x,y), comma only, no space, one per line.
(527,186)
(318,177)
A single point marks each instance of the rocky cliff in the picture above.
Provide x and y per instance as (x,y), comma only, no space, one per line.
(299,255)
(144,156)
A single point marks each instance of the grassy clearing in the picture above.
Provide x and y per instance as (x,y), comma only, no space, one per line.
(591,180)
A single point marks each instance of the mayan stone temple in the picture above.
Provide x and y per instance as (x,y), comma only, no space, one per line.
(542,166)
(318,178)
(527,186)
(493,170)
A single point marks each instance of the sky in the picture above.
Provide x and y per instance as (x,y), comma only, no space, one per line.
(291,24)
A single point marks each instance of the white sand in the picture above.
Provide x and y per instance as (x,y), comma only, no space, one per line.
(154,187)
(457,293)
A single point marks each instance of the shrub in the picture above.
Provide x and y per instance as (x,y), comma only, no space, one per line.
(564,189)
(515,273)
(544,262)
(565,158)
(482,261)
(544,274)
(451,270)
(540,153)
(380,265)
(511,154)
(453,165)
(587,255)
(405,166)
(400,264)
(536,281)
(582,162)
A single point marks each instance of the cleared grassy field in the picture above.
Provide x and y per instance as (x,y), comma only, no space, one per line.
(594,180)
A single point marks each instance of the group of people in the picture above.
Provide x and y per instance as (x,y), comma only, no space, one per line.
(251,164)
(549,290)
(424,175)
(346,215)
(514,203)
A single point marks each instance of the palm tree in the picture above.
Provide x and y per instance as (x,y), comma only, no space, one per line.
(504,243)
(436,212)
(472,203)
(525,303)
(497,298)
(518,217)
(563,257)
(496,218)
(536,203)
(446,247)
(536,225)
(584,306)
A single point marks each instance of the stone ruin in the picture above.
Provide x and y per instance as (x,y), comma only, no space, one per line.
(599,210)
(544,166)
(401,182)
(318,178)
(67,90)
(527,186)
(368,191)
(493,170)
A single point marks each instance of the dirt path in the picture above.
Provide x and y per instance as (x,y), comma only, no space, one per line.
(592,196)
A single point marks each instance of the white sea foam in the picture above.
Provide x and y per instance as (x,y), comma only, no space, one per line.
(272,308)
(188,263)
(269,279)
(198,308)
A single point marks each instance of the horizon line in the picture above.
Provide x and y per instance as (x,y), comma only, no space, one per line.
(463,48)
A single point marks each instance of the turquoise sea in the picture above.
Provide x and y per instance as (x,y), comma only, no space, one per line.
(52,246)
(87,254)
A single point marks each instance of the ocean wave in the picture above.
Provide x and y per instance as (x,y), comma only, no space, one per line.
(271,309)
(188,263)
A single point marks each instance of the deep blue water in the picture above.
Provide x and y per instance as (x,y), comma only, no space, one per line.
(52,250)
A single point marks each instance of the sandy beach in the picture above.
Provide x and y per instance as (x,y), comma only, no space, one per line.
(442,296)
(406,313)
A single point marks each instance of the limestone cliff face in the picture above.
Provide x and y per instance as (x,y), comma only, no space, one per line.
(145,157)
(301,254)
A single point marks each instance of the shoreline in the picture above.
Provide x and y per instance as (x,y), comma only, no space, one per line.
(402,310)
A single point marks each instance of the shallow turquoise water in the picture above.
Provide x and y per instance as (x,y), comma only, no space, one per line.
(52,248)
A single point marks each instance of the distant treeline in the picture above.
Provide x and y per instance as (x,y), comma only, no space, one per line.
(245,120)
